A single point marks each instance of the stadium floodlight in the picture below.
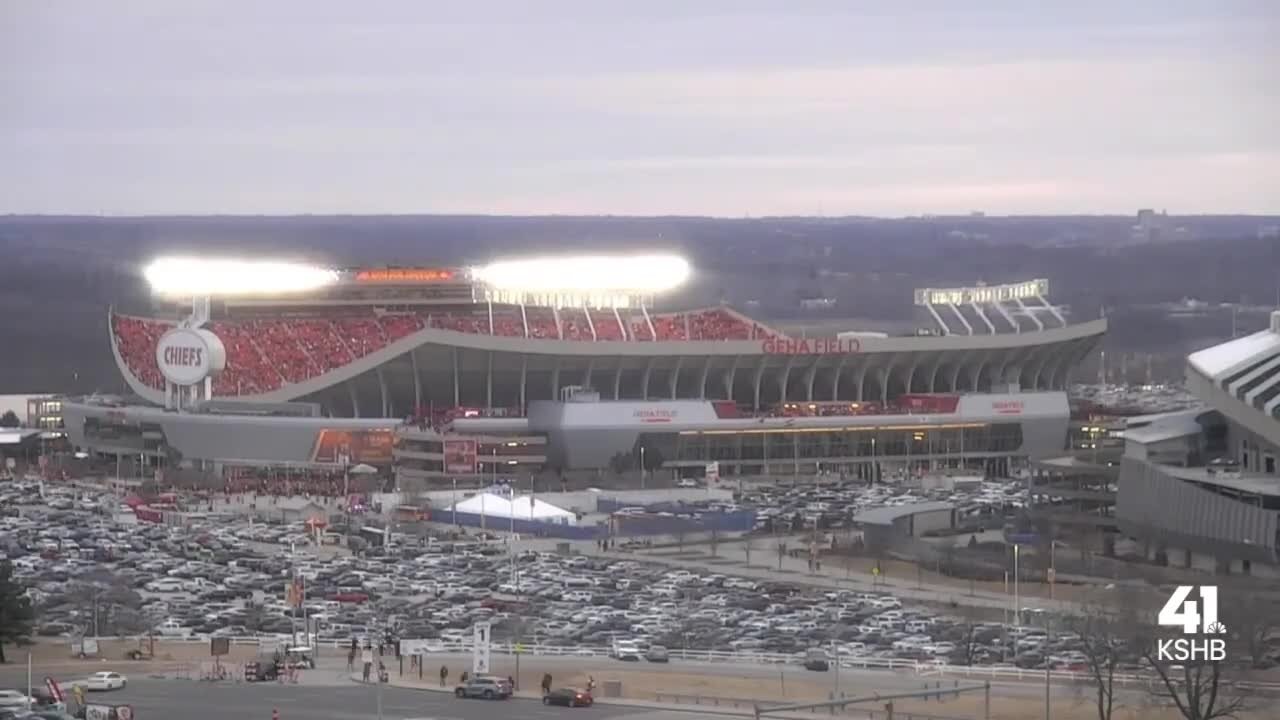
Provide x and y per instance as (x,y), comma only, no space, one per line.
(644,274)
(198,277)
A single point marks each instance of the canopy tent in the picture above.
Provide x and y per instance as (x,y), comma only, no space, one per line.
(521,508)
(529,507)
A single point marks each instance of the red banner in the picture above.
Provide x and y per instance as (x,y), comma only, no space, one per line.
(360,446)
(460,457)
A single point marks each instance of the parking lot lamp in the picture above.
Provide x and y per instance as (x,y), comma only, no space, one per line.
(1017,605)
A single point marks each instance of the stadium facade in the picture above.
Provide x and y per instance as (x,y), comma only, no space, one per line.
(1203,490)
(441,374)
(1195,489)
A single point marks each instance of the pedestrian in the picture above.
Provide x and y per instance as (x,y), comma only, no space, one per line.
(444,675)
(512,682)
(351,659)
(591,684)
(817,565)
(546,683)
(368,666)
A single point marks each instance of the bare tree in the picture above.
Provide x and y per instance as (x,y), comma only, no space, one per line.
(1254,620)
(1198,690)
(1106,629)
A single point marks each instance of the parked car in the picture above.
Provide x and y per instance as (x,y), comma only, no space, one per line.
(569,697)
(489,688)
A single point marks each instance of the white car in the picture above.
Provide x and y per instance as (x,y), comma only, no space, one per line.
(106,681)
(12,699)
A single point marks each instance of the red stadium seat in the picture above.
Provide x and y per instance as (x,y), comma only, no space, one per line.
(137,338)
(573,324)
(507,323)
(542,323)
(400,325)
(670,327)
(263,354)
(474,323)
(607,327)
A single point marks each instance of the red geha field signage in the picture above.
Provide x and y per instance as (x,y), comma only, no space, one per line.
(810,346)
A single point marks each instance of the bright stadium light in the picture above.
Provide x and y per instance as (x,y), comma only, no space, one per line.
(194,277)
(645,274)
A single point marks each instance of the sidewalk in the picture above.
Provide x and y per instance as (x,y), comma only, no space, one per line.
(723,697)
(705,695)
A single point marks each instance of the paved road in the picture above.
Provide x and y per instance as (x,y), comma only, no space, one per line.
(166,699)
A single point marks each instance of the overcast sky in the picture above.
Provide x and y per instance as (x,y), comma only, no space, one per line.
(715,107)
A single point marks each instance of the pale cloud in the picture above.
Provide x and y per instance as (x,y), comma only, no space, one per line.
(725,107)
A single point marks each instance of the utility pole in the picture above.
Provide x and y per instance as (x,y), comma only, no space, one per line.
(835,654)
(379,670)
(1048,676)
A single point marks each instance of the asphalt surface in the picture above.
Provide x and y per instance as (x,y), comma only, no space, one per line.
(192,700)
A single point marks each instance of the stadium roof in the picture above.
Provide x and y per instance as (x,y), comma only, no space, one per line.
(1165,426)
(1246,369)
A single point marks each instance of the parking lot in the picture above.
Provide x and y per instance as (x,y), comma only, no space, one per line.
(227,577)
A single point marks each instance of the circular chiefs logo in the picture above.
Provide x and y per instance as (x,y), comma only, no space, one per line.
(184,356)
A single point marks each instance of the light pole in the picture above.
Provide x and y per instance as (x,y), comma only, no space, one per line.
(835,655)
(346,496)
(379,679)
(1053,567)
(643,467)
(1048,676)
(453,508)
(1017,605)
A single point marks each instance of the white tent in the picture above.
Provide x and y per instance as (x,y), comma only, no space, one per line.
(522,508)
(529,507)
(486,504)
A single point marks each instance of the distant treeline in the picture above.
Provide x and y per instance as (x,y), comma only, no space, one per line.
(59,275)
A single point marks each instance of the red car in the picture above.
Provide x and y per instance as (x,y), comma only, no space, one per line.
(568,697)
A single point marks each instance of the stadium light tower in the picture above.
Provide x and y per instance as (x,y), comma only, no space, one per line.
(644,274)
(190,356)
(178,277)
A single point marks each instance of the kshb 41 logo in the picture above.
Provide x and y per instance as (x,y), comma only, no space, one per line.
(1197,619)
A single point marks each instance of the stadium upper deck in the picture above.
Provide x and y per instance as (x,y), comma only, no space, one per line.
(384,342)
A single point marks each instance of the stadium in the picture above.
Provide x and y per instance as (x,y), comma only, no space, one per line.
(564,364)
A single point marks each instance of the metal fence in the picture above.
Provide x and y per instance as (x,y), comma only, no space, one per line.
(931,669)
